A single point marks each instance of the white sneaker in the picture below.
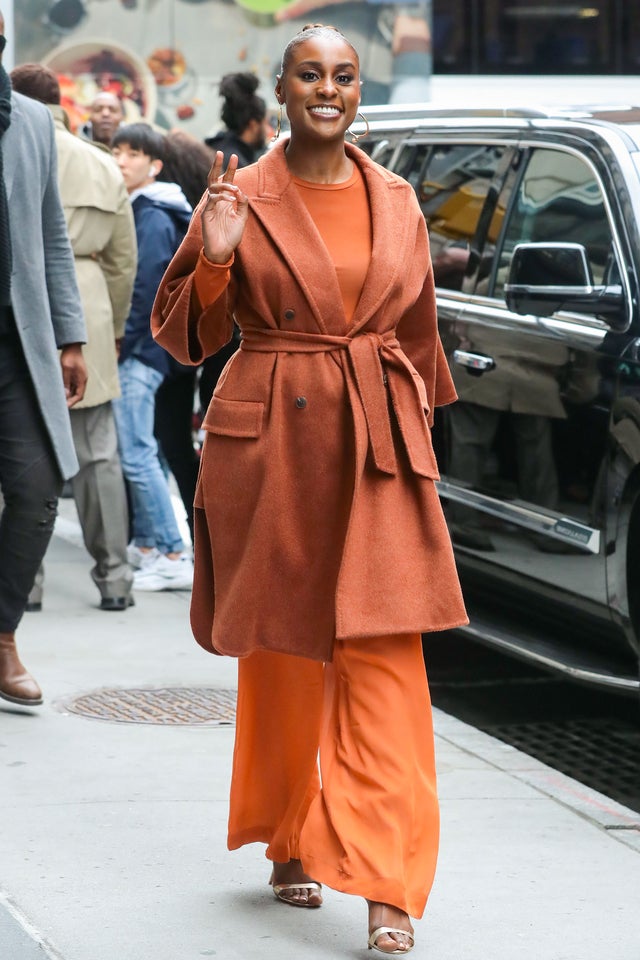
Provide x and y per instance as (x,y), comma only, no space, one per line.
(140,558)
(165,574)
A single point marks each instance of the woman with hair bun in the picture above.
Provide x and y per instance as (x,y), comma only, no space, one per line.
(244,114)
(321,550)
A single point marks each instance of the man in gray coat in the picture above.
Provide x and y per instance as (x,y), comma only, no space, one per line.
(40,313)
(103,239)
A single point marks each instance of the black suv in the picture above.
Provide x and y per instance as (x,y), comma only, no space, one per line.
(534,225)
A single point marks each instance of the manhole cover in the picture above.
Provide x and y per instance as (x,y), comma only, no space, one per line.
(162,705)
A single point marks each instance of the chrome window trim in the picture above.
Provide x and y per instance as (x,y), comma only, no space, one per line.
(419,124)
(550,523)
(580,328)
(421,138)
(457,297)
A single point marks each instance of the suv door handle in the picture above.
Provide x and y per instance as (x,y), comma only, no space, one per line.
(477,362)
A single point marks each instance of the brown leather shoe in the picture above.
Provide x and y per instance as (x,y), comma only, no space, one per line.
(16,684)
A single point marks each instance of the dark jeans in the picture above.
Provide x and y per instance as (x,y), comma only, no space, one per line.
(30,482)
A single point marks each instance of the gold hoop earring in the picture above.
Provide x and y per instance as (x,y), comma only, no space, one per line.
(279,126)
(358,136)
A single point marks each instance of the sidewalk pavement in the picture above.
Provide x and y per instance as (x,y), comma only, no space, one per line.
(113,834)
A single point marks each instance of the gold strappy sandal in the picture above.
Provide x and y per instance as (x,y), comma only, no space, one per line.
(378,933)
(280,889)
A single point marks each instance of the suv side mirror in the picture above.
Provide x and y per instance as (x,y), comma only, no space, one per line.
(545,277)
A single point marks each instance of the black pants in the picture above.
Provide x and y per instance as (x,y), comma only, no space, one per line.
(212,367)
(30,480)
(174,432)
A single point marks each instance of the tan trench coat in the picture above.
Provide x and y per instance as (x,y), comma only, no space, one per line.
(316,511)
(103,237)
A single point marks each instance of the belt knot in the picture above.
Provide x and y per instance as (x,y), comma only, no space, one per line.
(383,376)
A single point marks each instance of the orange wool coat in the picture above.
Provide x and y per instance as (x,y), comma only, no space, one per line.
(316,512)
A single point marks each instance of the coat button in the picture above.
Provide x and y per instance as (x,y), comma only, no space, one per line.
(289,313)
(301,402)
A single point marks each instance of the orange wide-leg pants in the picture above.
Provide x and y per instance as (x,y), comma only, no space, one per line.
(367,822)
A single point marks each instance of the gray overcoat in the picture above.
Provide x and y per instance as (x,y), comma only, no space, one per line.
(44,292)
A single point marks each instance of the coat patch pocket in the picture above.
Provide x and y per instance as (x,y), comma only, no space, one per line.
(234,418)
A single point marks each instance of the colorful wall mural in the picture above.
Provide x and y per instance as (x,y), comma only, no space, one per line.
(166,57)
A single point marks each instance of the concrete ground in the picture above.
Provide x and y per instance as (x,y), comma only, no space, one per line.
(113,834)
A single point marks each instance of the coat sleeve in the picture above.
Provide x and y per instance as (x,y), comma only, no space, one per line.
(188,330)
(418,331)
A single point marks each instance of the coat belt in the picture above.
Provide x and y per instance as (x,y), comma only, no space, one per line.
(377,362)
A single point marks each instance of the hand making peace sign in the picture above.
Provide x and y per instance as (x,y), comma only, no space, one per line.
(225,213)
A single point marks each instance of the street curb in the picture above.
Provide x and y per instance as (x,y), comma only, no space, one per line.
(620,821)
(16,918)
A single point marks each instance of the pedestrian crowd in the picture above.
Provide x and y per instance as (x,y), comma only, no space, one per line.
(118,428)
(321,553)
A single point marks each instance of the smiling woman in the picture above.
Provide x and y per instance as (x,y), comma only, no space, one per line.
(318,525)
(319,84)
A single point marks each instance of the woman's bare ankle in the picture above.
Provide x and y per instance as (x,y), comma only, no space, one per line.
(289,871)
(386,915)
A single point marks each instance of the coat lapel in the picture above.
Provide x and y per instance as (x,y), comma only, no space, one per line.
(284,216)
(390,229)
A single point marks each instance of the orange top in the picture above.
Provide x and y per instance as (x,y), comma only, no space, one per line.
(341,213)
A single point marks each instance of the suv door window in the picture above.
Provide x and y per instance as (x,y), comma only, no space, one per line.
(452,192)
(379,150)
(558,198)
(382,152)
(410,162)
